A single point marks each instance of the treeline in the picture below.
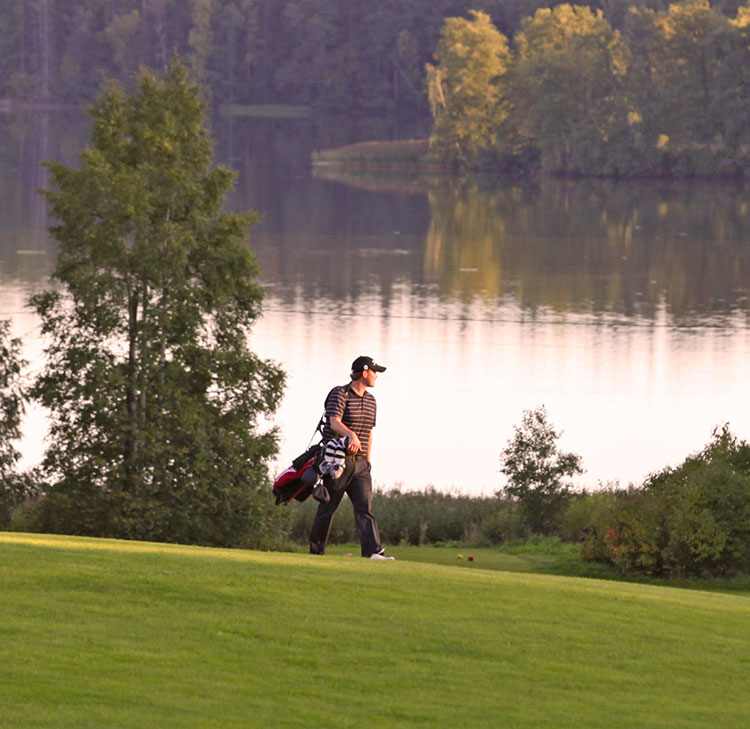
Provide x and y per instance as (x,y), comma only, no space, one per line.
(357,56)
(362,56)
(665,92)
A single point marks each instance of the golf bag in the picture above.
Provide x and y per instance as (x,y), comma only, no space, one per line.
(298,481)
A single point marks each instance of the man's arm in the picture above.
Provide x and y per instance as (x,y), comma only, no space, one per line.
(369,447)
(337,426)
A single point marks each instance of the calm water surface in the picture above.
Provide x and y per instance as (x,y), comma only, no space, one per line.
(621,307)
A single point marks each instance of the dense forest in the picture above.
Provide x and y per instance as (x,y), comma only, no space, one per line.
(668,94)
(356,56)
(613,87)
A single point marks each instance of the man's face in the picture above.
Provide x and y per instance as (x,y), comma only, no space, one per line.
(369,377)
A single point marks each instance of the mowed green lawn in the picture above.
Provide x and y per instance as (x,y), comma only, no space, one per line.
(107,634)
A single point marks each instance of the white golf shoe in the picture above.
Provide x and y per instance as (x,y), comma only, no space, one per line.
(380,555)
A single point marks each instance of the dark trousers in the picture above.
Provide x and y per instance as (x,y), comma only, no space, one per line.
(357,483)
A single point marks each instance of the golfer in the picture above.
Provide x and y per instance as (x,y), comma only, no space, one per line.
(351,411)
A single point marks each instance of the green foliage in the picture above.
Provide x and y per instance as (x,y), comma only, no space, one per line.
(154,395)
(334,54)
(694,42)
(466,88)
(689,520)
(666,95)
(601,88)
(693,521)
(419,517)
(430,516)
(503,522)
(537,470)
(587,520)
(11,399)
(14,486)
(565,86)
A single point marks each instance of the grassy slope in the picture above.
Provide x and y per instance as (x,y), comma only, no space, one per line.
(557,558)
(96,633)
(548,557)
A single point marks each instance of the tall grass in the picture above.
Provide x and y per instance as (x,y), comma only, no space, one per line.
(419,517)
(380,154)
(268,111)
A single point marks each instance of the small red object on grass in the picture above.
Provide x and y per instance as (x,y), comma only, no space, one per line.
(471,559)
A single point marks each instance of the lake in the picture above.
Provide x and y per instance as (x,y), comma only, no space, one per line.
(621,307)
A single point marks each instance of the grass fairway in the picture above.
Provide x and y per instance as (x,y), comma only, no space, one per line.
(107,634)
(560,559)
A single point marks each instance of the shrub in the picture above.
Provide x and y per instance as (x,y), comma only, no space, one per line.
(14,486)
(25,516)
(689,520)
(633,539)
(586,521)
(503,523)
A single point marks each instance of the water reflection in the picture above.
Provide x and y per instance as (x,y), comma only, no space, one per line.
(584,247)
(594,247)
(621,306)
(27,140)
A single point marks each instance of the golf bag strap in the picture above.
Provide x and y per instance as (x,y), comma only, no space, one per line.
(321,424)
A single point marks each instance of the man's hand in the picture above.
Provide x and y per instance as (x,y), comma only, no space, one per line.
(354,446)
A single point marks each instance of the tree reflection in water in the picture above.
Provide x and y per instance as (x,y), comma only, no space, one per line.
(594,247)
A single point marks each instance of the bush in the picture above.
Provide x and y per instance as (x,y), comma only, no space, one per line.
(587,519)
(16,490)
(503,523)
(25,516)
(14,486)
(693,520)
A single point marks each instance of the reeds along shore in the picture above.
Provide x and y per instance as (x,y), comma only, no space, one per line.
(406,154)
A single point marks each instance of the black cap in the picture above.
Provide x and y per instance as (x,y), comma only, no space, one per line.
(363,363)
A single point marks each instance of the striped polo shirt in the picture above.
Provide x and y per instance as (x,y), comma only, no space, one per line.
(357,413)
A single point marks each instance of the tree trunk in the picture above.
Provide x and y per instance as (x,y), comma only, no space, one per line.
(45,51)
(131,397)
(36,58)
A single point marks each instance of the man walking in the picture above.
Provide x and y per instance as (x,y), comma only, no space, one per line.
(350,412)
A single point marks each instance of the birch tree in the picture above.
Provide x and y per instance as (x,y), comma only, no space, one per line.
(155,398)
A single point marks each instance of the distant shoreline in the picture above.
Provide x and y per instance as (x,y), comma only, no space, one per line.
(414,155)
(410,154)
(14,105)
